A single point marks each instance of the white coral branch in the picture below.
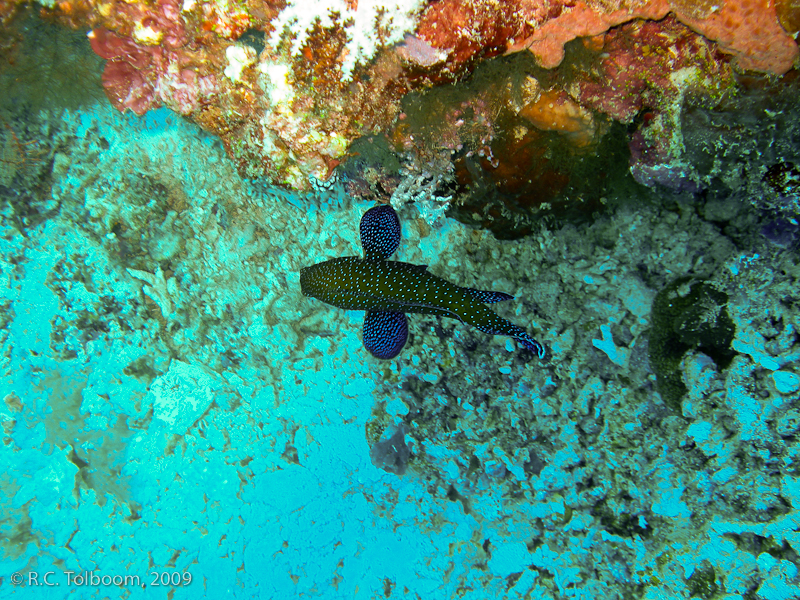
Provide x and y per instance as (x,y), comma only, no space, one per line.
(420,189)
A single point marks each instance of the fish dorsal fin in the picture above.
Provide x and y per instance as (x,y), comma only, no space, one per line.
(488,297)
(385,333)
(380,232)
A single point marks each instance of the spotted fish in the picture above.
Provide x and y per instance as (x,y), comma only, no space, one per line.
(387,290)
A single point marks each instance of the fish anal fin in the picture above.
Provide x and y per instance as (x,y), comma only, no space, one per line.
(385,333)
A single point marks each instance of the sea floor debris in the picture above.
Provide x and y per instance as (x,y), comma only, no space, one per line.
(172,404)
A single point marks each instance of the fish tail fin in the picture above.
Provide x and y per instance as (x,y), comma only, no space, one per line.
(501,326)
(531,344)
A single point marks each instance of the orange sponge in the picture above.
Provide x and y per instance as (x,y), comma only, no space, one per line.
(749,30)
(554,110)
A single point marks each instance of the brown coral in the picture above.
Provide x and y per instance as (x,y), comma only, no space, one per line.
(788,12)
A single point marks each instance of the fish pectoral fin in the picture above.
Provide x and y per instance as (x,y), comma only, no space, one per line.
(380,232)
(385,333)
(488,297)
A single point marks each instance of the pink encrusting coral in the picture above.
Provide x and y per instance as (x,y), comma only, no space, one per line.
(127,74)
(650,64)
(139,77)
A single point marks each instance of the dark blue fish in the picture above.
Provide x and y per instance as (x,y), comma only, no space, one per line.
(387,290)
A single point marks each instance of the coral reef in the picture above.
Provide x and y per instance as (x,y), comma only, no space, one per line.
(507,151)
(554,110)
(289,88)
